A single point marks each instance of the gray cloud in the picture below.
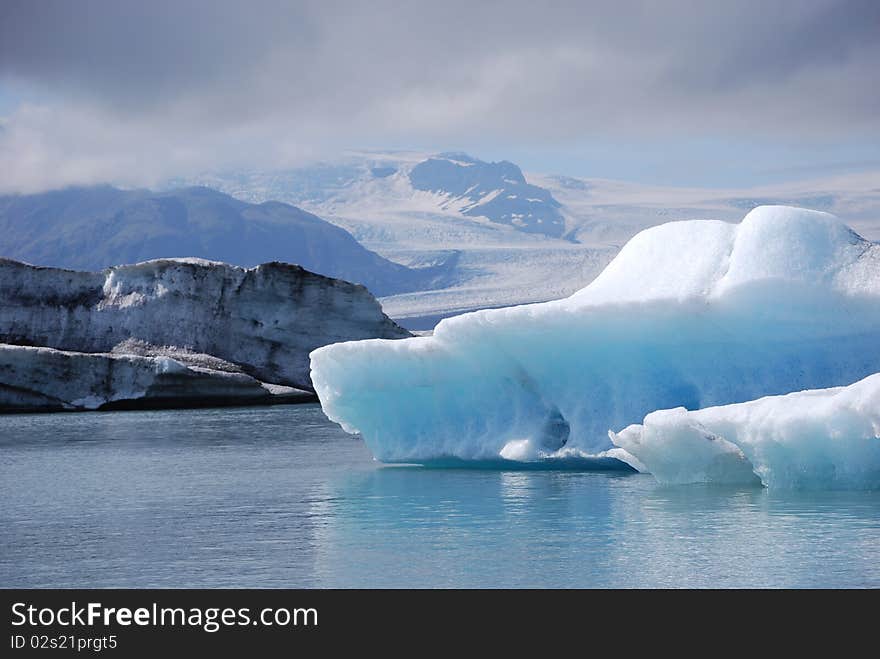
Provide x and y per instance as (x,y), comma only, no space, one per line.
(139,90)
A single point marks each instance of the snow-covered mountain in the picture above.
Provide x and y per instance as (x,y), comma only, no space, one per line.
(455,183)
(496,191)
(506,237)
(481,224)
(96,227)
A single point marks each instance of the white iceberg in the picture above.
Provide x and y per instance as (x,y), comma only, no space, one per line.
(690,314)
(826,438)
(36,379)
(265,319)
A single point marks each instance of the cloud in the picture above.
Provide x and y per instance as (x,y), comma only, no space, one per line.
(138,91)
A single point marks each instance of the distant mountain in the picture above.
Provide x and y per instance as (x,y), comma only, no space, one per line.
(495,190)
(480,220)
(454,185)
(96,227)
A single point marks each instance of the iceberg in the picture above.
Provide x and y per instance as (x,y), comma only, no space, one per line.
(826,438)
(35,379)
(265,320)
(690,314)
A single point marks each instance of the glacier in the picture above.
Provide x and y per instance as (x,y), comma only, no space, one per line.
(691,314)
(491,261)
(59,228)
(825,438)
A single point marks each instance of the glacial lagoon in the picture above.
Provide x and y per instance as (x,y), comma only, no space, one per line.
(281,497)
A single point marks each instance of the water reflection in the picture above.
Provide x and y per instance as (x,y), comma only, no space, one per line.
(281,497)
(411,526)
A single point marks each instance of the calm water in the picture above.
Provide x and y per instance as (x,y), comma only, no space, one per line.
(280,497)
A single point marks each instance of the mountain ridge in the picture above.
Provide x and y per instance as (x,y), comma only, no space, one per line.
(91,228)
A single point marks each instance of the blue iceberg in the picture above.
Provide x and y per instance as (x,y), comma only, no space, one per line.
(690,314)
(817,439)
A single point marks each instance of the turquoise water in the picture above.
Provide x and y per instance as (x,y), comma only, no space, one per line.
(280,497)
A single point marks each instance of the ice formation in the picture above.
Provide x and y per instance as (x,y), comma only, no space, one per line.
(826,438)
(690,314)
(46,380)
(265,319)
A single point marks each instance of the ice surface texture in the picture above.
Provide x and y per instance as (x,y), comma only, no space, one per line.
(44,379)
(265,319)
(690,314)
(827,438)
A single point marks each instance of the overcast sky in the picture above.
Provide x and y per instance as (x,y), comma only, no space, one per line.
(674,91)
